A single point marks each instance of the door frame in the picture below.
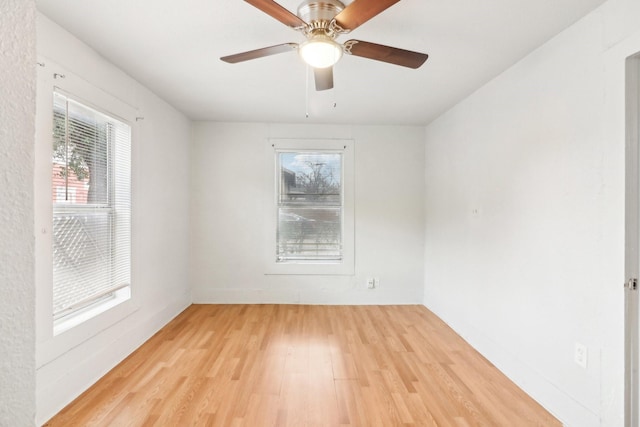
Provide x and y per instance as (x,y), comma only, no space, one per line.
(632,240)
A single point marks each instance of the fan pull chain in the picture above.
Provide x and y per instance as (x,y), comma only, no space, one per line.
(306,93)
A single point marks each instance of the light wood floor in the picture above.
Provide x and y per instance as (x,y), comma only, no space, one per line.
(293,365)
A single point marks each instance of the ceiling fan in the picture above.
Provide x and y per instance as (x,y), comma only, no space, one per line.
(322,21)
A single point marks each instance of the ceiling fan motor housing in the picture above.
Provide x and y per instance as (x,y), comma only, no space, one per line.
(318,15)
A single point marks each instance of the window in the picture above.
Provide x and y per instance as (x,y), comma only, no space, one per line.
(309,206)
(313,207)
(91,194)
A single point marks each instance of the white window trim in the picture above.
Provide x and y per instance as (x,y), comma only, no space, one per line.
(55,338)
(347,265)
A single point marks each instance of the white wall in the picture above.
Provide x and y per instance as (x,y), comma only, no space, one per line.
(17,130)
(228,194)
(72,361)
(525,217)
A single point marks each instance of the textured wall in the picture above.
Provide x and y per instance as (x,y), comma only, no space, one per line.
(67,364)
(17,127)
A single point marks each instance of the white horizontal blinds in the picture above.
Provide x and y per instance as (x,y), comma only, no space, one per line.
(310,206)
(91,189)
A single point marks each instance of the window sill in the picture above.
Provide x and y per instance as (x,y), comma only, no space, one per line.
(311,268)
(82,316)
(72,331)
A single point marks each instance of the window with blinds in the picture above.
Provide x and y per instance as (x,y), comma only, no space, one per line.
(91,195)
(310,206)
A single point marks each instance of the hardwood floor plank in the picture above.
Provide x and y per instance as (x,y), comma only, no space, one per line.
(293,365)
(351,401)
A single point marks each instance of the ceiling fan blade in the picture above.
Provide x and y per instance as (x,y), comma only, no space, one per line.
(278,12)
(324,78)
(259,53)
(392,55)
(360,11)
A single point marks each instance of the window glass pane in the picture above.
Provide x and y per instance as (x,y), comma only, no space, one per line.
(309,233)
(80,153)
(82,257)
(91,194)
(310,177)
(309,206)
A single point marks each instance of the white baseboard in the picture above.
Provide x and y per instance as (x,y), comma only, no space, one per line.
(303,296)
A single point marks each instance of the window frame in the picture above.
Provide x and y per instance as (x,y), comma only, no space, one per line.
(109,207)
(53,340)
(275,146)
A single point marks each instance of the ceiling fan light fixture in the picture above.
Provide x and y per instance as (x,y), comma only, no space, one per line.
(320,51)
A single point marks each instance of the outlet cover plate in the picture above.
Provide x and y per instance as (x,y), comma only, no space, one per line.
(580,355)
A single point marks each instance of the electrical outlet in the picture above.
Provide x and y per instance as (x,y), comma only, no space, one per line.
(371,283)
(580,355)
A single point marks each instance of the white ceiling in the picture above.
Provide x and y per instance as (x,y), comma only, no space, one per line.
(173,47)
